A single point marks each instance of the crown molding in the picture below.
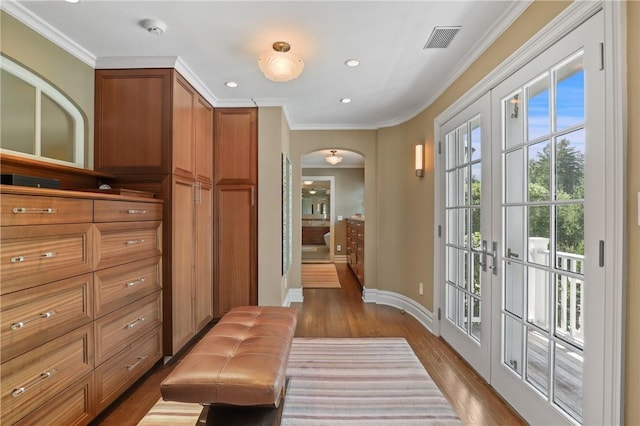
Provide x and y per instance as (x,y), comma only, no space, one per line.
(38,25)
(117,62)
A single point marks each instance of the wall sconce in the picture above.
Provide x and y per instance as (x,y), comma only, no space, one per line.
(419,160)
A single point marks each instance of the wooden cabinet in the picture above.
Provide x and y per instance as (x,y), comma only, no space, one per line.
(236,208)
(80,301)
(355,248)
(165,127)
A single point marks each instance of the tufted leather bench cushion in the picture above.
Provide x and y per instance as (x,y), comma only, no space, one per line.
(241,361)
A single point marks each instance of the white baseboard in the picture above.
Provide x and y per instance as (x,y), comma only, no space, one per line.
(294,295)
(340,258)
(401,302)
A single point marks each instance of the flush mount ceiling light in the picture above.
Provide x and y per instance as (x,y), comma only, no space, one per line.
(352,63)
(307,182)
(333,159)
(154,26)
(280,64)
(312,191)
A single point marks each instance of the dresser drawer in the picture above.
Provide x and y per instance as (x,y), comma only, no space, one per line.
(29,318)
(122,370)
(119,329)
(32,379)
(126,211)
(124,242)
(121,285)
(40,210)
(75,406)
(39,254)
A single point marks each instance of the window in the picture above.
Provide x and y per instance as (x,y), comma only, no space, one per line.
(38,121)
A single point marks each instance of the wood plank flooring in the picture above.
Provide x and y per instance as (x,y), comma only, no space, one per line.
(341,313)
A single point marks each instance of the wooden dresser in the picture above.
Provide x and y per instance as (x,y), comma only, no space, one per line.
(355,247)
(80,301)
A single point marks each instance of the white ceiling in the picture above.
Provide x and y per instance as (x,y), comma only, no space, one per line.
(218,41)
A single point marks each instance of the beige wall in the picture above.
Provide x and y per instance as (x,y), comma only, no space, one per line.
(632,411)
(72,76)
(273,141)
(361,141)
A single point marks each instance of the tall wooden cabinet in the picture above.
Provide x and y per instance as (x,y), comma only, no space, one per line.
(236,208)
(154,132)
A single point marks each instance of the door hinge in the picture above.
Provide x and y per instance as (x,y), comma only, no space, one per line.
(439,147)
(439,314)
(601,255)
(601,56)
(439,231)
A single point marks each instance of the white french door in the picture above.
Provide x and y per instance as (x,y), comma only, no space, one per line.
(524,229)
(467,252)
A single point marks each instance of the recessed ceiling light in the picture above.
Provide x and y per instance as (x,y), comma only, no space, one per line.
(352,63)
(231,84)
(72,1)
(345,100)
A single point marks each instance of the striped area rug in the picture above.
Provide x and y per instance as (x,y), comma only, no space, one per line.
(344,382)
(319,275)
(363,381)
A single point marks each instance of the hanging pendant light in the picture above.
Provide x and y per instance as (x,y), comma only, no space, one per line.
(280,64)
(333,159)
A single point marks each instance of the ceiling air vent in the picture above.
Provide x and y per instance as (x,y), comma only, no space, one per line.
(441,37)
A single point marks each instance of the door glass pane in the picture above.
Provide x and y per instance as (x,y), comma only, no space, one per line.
(476,138)
(463,310)
(514,236)
(476,183)
(539,231)
(450,143)
(567,380)
(570,237)
(538,297)
(514,178)
(569,166)
(538,361)
(476,234)
(512,344)
(569,309)
(570,93)
(476,273)
(456,226)
(539,171)
(462,145)
(452,189)
(452,265)
(464,177)
(513,123)
(514,288)
(538,117)
(476,320)
(463,268)
(452,295)
(57,131)
(18,114)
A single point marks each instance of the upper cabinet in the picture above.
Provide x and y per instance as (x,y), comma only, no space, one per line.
(236,136)
(151,121)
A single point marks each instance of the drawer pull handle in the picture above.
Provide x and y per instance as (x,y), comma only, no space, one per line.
(133,242)
(19,259)
(43,376)
(134,211)
(134,323)
(20,210)
(135,364)
(20,324)
(136,282)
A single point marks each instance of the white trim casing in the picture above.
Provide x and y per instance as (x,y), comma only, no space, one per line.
(294,295)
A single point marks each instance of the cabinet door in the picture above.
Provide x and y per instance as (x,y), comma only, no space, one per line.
(133,120)
(204,140)
(236,141)
(204,257)
(183,263)
(183,128)
(236,251)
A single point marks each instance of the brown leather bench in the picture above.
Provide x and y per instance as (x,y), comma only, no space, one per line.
(242,360)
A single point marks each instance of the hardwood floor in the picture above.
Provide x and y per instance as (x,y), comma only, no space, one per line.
(341,313)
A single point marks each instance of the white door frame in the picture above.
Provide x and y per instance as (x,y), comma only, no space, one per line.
(615,135)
